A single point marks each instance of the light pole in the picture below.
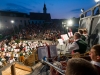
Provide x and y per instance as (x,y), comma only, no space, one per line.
(82,10)
(0,26)
(64,25)
(97,1)
(69,24)
(12,22)
(67,29)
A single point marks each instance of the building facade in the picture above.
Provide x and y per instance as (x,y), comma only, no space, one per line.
(11,19)
(40,18)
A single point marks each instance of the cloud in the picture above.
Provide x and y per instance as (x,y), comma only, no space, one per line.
(76,10)
(51,4)
(17,7)
(26,4)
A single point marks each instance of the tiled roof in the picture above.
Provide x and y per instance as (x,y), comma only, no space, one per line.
(13,14)
(40,16)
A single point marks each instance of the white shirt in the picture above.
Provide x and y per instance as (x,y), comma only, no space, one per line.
(12,60)
(73,46)
(0,63)
(95,63)
(15,55)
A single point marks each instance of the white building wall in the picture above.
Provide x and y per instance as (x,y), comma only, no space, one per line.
(5,21)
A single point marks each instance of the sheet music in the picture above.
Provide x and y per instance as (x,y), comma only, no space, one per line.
(60,41)
(70,34)
(42,51)
(64,37)
(53,50)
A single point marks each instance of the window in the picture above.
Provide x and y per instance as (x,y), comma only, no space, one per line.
(14,15)
(11,15)
(20,20)
(24,15)
(88,13)
(96,11)
(16,20)
(28,21)
(0,20)
(5,20)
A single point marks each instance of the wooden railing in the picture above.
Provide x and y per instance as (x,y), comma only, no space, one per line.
(12,68)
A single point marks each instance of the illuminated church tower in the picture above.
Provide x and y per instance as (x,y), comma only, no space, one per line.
(44,8)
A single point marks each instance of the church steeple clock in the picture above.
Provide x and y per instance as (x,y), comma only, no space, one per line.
(44,8)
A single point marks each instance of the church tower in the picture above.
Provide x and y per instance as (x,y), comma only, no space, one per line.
(44,8)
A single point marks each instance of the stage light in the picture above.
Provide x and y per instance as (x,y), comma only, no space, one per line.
(12,21)
(82,10)
(97,1)
(70,22)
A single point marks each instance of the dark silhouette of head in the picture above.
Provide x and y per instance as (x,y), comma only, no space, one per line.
(79,66)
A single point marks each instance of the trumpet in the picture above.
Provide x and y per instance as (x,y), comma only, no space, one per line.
(56,68)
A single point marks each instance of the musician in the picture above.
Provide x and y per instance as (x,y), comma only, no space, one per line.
(95,56)
(82,34)
(79,66)
(57,64)
(85,33)
(77,44)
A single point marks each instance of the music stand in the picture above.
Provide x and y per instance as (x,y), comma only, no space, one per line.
(61,44)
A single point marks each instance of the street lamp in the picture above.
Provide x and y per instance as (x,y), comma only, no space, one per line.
(12,21)
(69,23)
(97,1)
(82,10)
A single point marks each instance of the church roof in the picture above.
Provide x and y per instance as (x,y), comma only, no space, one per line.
(13,14)
(40,16)
(44,8)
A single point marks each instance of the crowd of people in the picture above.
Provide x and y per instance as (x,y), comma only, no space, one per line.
(39,32)
(52,35)
(14,49)
(11,51)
